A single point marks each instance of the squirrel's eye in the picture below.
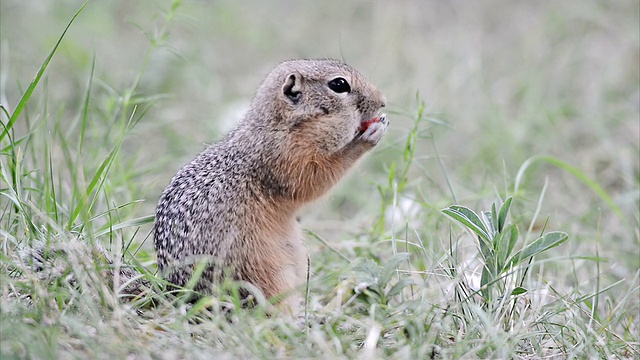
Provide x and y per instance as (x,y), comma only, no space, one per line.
(339,85)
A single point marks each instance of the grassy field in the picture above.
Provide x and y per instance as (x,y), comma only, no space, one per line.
(499,217)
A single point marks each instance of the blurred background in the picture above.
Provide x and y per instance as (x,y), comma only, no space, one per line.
(502,81)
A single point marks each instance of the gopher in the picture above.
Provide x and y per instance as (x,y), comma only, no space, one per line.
(234,206)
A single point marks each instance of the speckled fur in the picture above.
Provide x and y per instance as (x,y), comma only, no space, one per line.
(234,205)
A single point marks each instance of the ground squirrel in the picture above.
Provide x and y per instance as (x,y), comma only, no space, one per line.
(234,206)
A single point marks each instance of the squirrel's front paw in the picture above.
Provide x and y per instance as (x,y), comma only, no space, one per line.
(373,130)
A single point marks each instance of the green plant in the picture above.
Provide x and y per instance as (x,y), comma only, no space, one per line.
(503,270)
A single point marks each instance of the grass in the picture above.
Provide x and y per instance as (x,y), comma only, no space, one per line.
(494,249)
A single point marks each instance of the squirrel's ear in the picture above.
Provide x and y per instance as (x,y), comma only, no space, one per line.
(292,87)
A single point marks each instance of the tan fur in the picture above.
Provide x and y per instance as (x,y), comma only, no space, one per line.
(235,204)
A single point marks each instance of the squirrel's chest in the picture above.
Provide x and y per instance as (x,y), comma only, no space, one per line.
(286,243)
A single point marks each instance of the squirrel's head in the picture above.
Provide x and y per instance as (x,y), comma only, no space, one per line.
(318,104)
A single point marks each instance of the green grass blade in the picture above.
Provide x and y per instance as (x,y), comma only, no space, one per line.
(125,224)
(102,170)
(27,94)
(592,184)
(85,106)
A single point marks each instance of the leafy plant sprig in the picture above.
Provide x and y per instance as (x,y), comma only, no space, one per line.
(497,240)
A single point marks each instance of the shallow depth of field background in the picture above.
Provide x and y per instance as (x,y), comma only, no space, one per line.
(509,79)
(502,81)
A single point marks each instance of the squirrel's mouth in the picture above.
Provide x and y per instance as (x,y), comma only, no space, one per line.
(367,121)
